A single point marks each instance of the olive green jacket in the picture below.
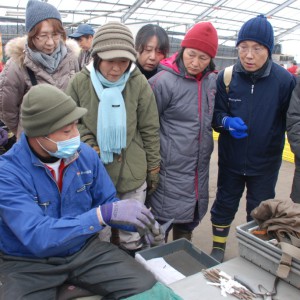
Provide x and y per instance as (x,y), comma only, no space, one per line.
(128,170)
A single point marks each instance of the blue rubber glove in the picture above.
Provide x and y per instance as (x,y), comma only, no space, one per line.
(236,126)
(127,213)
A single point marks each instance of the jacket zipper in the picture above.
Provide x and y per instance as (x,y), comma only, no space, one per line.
(199,87)
(249,118)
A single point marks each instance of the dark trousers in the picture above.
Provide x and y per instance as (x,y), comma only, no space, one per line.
(295,194)
(230,190)
(100,268)
(189,227)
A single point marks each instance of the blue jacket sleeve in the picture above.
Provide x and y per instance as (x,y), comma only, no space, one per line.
(26,226)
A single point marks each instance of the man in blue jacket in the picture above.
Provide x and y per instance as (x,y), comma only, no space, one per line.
(55,198)
(251,119)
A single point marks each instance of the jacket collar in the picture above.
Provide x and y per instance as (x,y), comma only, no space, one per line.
(264,71)
(15,49)
(35,160)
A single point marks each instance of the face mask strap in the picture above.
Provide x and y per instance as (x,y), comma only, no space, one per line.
(50,140)
(42,145)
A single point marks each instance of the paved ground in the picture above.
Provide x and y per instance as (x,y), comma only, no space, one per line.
(202,236)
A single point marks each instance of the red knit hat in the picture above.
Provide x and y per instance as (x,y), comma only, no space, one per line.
(202,36)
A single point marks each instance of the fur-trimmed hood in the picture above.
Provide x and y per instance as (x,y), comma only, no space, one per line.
(15,48)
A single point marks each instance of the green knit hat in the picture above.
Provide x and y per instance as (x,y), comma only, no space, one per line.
(46,109)
(114,40)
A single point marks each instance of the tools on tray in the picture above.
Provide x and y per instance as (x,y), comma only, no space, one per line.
(227,284)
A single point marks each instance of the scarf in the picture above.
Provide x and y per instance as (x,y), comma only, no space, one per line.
(49,62)
(111,121)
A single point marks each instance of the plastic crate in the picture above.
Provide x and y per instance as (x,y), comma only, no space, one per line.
(181,255)
(264,254)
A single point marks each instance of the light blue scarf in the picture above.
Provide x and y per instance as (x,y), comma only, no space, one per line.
(111,122)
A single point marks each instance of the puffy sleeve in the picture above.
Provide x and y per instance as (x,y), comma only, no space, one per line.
(12,90)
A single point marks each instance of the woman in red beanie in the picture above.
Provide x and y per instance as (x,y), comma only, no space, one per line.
(185,92)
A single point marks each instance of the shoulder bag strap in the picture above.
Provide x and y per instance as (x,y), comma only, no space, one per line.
(227,77)
(31,76)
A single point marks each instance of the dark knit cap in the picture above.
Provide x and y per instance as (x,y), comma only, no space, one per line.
(114,40)
(259,30)
(37,11)
(202,36)
(46,109)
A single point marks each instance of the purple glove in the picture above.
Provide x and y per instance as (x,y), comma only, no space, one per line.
(3,137)
(155,236)
(127,212)
(236,126)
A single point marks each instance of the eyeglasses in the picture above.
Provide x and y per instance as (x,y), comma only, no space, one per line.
(46,37)
(255,50)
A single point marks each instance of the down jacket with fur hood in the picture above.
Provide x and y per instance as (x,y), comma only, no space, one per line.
(15,81)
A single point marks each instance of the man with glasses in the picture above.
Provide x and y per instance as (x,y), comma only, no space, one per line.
(251,119)
(42,56)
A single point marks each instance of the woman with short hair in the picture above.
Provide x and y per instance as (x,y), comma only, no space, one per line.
(40,57)
(152,45)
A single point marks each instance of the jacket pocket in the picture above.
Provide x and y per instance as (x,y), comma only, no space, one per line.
(84,187)
(136,161)
(47,203)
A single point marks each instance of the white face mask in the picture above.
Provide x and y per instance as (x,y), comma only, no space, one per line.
(65,148)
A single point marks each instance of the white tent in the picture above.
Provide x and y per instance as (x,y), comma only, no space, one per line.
(176,16)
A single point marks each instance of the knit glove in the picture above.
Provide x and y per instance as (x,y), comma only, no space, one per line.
(236,126)
(97,149)
(3,137)
(127,213)
(152,180)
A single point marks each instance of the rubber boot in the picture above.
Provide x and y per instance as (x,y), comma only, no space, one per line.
(220,235)
(179,233)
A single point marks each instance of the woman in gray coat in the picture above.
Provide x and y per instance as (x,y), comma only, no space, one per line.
(185,91)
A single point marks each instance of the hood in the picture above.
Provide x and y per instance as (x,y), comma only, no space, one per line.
(73,46)
(15,48)
(169,63)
